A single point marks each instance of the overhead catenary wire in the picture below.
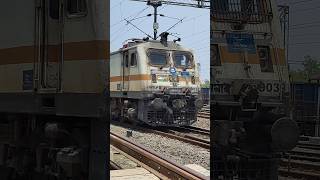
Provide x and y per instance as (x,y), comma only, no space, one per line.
(307,10)
(198,42)
(117,4)
(306,43)
(180,21)
(307,23)
(307,26)
(119,32)
(299,2)
(138,29)
(134,14)
(126,31)
(192,18)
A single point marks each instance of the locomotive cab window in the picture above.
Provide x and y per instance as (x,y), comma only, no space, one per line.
(133,60)
(126,60)
(215,55)
(157,57)
(265,59)
(54,9)
(76,8)
(182,59)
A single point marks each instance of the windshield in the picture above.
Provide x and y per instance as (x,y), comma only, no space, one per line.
(182,59)
(157,57)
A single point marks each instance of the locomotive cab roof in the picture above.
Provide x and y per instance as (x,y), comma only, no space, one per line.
(155,44)
(133,42)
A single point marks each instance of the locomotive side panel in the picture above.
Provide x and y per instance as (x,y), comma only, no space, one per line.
(53,81)
(250,90)
(252,55)
(18,50)
(65,67)
(136,78)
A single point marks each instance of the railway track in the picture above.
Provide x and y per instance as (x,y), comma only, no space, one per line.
(193,129)
(181,134)
(154,162)
(301,162)
(204,112)
(303,144)
(204,143)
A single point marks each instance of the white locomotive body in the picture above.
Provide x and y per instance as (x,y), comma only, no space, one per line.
(155,82)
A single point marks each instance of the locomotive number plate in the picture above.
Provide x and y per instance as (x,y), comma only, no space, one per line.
(262,87)
(270,87)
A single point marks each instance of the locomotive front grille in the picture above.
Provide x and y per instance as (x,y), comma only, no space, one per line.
(185,116)
(160,118)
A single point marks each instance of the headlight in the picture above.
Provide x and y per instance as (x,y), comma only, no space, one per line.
(198,103)
(178,103)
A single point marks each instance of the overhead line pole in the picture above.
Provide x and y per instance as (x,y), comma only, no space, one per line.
(155,5)
(205,4)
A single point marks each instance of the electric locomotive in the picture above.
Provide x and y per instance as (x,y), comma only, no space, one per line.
(250,90)
(155,82)
(53,75)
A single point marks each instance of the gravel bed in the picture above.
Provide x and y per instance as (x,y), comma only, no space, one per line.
(180,152)
(194,134)
(202,123)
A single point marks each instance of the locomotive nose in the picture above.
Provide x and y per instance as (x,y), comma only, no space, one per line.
(285,134)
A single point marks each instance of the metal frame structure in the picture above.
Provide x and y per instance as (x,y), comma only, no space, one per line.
(191,3)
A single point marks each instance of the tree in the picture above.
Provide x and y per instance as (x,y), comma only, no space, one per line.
(206,84)
(311,66)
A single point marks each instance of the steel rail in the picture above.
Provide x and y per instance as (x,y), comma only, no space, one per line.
(205,115)
(308,146)
(114,166)
(196,129)
(298,174)
(158,165)
(300,164)
(191,130)
(296,164)
(185,138)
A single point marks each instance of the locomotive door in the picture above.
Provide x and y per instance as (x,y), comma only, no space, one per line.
(49,30)
(125,71)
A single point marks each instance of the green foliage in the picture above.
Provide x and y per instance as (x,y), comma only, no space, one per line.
(298,76)
(311,66)
(206,84)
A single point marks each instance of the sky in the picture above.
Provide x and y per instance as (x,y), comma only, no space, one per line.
(304,30)
(194,30)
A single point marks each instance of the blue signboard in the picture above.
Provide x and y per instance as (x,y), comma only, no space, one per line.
(238,42)
(173,70)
